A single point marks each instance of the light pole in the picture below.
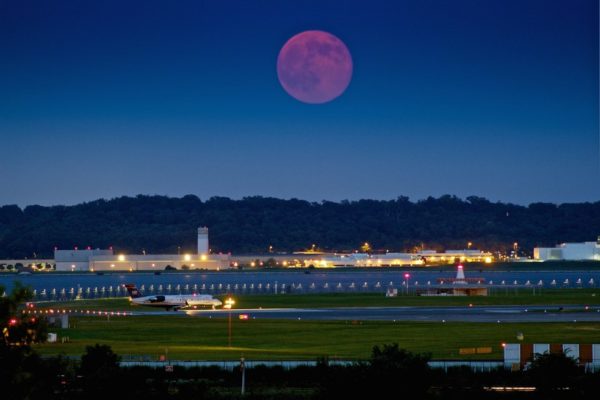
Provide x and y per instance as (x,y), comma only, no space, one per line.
(243,368)
(406,276)
(228,303)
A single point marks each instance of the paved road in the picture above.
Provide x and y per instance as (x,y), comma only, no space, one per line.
(429,314)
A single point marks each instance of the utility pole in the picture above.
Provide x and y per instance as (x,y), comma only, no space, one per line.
(229,302)
(243,368)
(229,330)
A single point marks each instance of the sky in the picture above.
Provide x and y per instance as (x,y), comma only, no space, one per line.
(495,98)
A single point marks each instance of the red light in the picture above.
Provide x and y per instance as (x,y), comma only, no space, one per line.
(460,266)
(503,345)
(407,276)
(243,316)
(12,322)
(32,320)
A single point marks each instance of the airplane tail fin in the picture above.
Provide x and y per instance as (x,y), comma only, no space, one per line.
(132,290)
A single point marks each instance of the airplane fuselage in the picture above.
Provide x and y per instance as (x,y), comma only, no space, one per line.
(177,301)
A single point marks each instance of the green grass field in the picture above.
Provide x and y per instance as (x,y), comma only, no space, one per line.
(498,297)
(524,297)
(207,339)
(188,338)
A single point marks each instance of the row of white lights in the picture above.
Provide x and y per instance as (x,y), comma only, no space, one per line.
(68,311)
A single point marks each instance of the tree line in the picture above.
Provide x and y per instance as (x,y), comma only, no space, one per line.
(160,224)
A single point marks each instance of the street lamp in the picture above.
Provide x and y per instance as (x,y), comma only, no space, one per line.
(228,303)
(406,276)
(243,368)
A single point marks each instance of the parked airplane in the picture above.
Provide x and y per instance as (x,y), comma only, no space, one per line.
(173,302)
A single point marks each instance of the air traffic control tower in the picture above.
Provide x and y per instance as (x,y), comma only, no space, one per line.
(105,260)
(203,241)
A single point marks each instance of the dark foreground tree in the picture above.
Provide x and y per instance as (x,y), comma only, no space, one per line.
(391,372)
(18,363)
(99,372)
(18,327)
(554,373)
(98,360)
(400,371)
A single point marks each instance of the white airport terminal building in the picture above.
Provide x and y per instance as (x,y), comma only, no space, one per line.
(586,251)
(105,260)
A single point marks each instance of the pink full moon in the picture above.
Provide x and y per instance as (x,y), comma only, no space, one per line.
(314,67)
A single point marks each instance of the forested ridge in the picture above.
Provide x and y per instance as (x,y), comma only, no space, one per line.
(159,224)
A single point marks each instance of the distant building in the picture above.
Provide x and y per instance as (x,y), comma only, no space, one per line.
(398,259)
(77,260)
(586,251)
(106,260)
(452,256)
(158,262)
(518,355)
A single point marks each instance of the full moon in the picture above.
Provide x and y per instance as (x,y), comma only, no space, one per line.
(314,67)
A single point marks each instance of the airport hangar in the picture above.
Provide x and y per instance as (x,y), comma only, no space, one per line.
(586,251)
(105,260)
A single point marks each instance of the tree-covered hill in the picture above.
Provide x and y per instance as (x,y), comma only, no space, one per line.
(161,224)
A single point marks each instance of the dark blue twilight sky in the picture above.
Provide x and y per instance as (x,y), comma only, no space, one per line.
(495,98)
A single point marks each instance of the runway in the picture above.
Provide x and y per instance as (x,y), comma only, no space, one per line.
(497,314)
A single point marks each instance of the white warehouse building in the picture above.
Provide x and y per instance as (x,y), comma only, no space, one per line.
(106,260)
(589,251)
